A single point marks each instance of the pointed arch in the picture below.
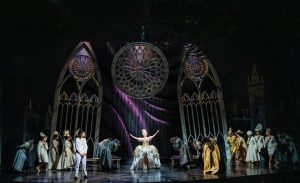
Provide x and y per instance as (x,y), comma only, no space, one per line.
(206,115)
(78,95)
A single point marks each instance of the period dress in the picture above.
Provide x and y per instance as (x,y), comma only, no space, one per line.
(42,150)
(231,140)
(182,148)
(241,149)
(54,154)
(145,155)
(104,152)
(270,144)
(260,142)
(252,152)
(211,157)
(22,155)
(67,158)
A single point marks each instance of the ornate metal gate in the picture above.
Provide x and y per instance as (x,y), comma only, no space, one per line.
(200,98)
(78,95)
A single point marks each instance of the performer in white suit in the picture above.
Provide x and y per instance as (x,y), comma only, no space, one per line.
(81,152)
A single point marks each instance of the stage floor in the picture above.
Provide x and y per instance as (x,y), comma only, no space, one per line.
(165,174)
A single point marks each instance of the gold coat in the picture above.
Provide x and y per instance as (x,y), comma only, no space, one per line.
(211,166)
(231,140)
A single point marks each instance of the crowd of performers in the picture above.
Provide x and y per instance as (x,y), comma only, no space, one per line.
(74,153)
(258,150)
(205,153)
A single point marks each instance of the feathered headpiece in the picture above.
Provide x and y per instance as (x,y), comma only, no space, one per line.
(77,132)
(258,127)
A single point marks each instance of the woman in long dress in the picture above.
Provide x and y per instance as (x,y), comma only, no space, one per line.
(252,156)
(67,158)
(42,150)
(54,151)
(146,156)
(241,148)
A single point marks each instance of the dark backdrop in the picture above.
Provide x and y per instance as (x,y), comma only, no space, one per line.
(38,36)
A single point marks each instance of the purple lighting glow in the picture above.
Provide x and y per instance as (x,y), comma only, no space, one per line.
(155,107)
(134,108)
(156,119)
(120,120)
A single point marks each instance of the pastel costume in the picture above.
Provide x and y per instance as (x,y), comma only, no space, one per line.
(54,154)
(42,150)
(270,145)
(252,152)
(260,142)
(145,154)
(67,158)
(22,156)
(104,152)
(81,147)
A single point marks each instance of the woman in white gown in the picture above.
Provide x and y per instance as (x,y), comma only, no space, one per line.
(67,158)
(146,156)
(252,152)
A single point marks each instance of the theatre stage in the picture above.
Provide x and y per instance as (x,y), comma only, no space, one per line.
(283,173)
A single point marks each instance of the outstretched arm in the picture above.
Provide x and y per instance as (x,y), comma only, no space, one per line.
(151,137)
(136,138)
